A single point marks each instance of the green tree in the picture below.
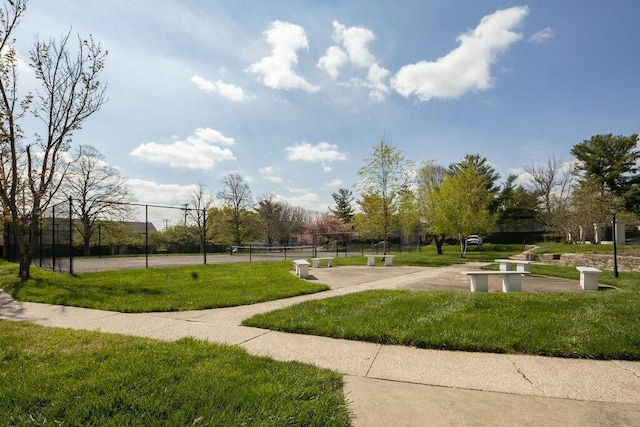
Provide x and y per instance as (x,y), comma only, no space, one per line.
(611,164)
(112,233)
(368,221)
(482,167)
(279,221)
(180,234)
(429,176)
(409,217)
(344,208)
(31,159)
(384,175)
(460,206)
(517,207)
(221,226)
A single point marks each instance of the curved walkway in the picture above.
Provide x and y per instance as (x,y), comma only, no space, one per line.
(394,385)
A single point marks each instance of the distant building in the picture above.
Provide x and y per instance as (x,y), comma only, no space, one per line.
(140,227)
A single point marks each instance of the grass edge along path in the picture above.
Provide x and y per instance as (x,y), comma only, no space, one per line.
(60,376)
(600,325)
(194,287)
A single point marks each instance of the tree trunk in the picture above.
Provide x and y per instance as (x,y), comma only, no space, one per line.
(25,267)
(463,247)
(25,249)
(87,246)
(6,238)
(86,237)
(439,243)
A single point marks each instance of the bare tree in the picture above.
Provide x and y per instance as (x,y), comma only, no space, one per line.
(200,201)
(237,196)
(270,213)
(70,92)
(552,183)
(97,190)
(292,221)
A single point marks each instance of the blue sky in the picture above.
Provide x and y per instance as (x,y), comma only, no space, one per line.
(293,95)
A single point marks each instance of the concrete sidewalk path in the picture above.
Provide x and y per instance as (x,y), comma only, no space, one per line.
(395,385)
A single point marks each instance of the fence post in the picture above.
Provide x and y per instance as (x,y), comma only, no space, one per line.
(53,239)
(204,235)
(70,236)
(7,244)
(146,236)
(315,248)
(99,240)
(346,246)
(249,252)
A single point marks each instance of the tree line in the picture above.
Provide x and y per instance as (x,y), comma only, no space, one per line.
(566,198)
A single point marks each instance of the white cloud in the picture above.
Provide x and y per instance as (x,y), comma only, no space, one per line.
(326,168)
(268,173)
(334,183)
(276,71)
(309,201)
(226,90)
(275,179)
(211,136)
(333,60)
(466,68)
(267,170)
(299,190)
(154,193)
(542,35)
(321,152)
(376,78)
(197,151)
(355,42)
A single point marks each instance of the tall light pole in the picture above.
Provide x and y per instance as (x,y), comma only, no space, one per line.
(615,246)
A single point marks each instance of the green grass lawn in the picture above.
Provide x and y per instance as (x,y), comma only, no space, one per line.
(428,256)
(53,376)
(603,325)
(562,248)
(160,289)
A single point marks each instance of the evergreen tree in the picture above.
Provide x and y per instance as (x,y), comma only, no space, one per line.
(344,209)
(611,164)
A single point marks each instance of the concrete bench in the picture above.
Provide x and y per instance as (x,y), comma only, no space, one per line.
(511,280)
(371,259)
(316,261)
(589,278)
(301,268)
(520,265)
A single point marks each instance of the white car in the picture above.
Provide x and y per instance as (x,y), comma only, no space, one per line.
(474,239)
